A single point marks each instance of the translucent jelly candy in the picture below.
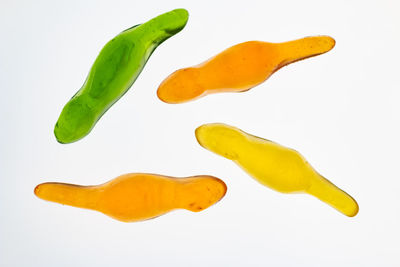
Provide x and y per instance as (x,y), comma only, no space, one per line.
(239,68)
(280,168)
(136,196)
(115,70)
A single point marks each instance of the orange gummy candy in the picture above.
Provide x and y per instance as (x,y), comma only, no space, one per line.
(136,196)
(239,68)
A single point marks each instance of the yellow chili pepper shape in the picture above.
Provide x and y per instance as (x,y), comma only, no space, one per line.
(135,197)
(239,68)
(275,166)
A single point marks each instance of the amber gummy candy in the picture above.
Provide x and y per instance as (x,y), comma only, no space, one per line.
(239,68)
(136,196)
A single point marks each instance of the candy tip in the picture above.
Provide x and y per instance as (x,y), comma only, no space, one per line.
(63,136)
(177,20)
(36,191)
(331,42)
(317,45)
(210,190)
(60,141)
(160,95)
(59,135)
(327,42)
(224,188)
(198,133)
(181,86)
(355,210)
(182,11)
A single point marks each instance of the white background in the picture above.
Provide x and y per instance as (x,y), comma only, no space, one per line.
(340,110)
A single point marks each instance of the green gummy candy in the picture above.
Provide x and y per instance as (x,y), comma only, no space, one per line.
(115,70)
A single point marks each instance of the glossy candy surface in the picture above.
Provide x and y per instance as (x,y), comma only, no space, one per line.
(115,70)
(239,68)
(136,196)
(280,168)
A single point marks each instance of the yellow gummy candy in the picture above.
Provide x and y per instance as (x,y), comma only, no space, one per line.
(278,167)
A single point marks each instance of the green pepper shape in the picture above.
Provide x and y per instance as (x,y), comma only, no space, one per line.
(115,70)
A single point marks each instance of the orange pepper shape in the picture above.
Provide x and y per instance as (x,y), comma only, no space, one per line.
(239,68)
(136,196)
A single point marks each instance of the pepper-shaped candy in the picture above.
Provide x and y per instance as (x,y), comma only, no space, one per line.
(115,70)
(280,168)
(239,68)
(136,196)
